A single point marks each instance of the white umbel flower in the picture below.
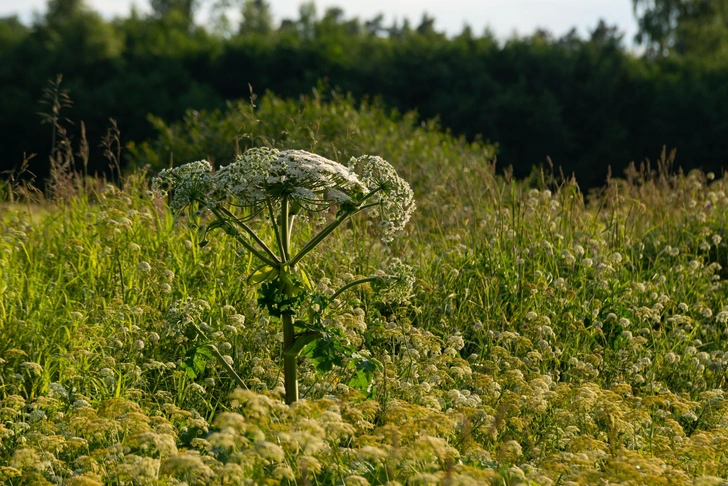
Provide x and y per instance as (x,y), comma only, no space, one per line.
(309,182)
(394,195)
(189,181)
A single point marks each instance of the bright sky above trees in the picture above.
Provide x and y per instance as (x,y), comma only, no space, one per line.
(503,16)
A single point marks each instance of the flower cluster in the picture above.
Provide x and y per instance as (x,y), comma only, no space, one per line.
(393,195)
(189,183)
(400,282)
(264,176)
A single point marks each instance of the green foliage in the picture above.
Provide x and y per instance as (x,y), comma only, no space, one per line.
(364,372)
(12,32)
(585,102)
(196,360)
(184,9)
(326,353)
(550,340)
(272,295)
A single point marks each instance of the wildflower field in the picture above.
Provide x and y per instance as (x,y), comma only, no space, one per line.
(551,337)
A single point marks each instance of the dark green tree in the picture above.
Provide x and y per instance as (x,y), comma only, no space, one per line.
(605,34)
(307,19)
(686,27)
(165,8)
(257,18)
(427,26)
(375,26)
(585,102)
(12,31)
(63,11)
(76,35)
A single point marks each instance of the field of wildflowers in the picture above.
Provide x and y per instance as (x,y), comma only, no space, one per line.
(551,338)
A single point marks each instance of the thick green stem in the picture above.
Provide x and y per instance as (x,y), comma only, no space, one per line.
(285,236)
(276,230)
(290,360)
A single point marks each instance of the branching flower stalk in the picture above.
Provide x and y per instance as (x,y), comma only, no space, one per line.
(285,186)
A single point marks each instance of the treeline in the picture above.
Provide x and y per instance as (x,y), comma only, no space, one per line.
(587,103)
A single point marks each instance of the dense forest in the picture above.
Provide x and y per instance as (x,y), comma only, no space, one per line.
(586,104)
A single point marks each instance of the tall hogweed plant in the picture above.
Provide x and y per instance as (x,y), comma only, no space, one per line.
(269,201)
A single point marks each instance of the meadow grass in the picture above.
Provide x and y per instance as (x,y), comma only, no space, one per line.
(552,338)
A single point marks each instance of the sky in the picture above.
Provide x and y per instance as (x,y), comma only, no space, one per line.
(504,17)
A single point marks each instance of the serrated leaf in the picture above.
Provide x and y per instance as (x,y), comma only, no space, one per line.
(325,353)
(199,363)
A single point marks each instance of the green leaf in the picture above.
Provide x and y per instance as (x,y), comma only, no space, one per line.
(359,381)
(291,280)
(325,353)
(262,274)
(196,360)
(204,350)
(272,294)
(303,276)
(206,229)
(189,366)
(364,375)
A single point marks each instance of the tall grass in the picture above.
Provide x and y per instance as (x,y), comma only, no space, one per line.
(553,338)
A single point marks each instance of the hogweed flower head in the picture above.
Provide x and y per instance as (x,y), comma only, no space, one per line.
(393,195)
(189,181)
(263,176)
(400,281)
